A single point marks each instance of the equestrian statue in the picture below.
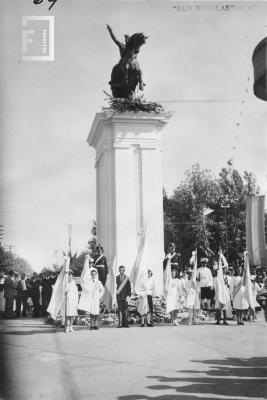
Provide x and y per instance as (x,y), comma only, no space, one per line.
(126,75)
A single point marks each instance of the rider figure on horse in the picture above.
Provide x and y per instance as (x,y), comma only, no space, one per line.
(127,73)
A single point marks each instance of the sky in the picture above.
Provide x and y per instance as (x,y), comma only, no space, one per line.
(193,54)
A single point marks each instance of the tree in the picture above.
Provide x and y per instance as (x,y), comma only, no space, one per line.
(8,262)
(184,210)
(92,244)
(184,220)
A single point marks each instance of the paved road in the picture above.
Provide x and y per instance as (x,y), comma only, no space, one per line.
(164,362)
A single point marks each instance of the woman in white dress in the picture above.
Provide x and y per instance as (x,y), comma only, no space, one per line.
(71,302)
(181,293)
(192,289)
(255,290)
(172,297)
(145,291)
(92,292)
(238,295)
(221,295)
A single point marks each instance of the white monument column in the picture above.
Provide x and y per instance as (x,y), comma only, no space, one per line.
(129,188)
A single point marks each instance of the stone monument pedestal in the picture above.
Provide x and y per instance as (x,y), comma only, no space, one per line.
(129,191)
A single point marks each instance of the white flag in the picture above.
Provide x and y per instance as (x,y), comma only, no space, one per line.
(220,289)
(207,211)
(246,281)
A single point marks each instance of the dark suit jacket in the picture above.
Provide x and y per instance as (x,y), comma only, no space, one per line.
(20,292)
(126,291)
(9,288)
(102,267)
(34,288)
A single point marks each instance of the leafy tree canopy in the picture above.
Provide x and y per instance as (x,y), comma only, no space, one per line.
(185,223)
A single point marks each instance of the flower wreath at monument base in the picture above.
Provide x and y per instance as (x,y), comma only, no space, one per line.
(160,316)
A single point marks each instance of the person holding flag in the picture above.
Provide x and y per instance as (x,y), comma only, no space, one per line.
(262,298)
(171,291)
(92,293)
(238,295)
(71,299)
(85,275)
(181,291)
(222,297)
(241,290)
(192,288)
(56,304)
(85,282)
(172,302)
(248,287)
(255,290)
(145,289)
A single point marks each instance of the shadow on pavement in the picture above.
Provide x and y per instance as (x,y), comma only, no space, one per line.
(33,332)
(230,377)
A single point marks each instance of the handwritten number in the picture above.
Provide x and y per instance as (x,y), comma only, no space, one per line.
(53,2)
(50,1)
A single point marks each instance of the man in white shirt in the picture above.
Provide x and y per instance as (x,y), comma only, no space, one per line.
(206,282)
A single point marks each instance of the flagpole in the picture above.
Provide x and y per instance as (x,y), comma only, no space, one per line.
(66,294)
(67,271)
(114,294)
(69,235)
(225,206)
(245,273)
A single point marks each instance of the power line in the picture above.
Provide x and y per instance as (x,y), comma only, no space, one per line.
(200,101)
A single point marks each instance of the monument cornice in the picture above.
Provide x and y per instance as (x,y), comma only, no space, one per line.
(105,118)
(143,143)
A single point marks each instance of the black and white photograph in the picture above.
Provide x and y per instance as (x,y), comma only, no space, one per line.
(133,211)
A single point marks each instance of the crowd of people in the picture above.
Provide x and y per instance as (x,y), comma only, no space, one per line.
(217,288)
(22,295)
(203,294)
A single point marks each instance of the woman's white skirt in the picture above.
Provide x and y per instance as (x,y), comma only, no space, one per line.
(240,302)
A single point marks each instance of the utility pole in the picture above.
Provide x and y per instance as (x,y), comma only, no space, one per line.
(1,233)
(10,248)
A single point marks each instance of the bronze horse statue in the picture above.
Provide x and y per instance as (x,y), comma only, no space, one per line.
(126,75)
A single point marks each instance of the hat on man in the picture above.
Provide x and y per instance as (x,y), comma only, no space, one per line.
(204,260)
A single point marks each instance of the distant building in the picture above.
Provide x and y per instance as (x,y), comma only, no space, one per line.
(259,60)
